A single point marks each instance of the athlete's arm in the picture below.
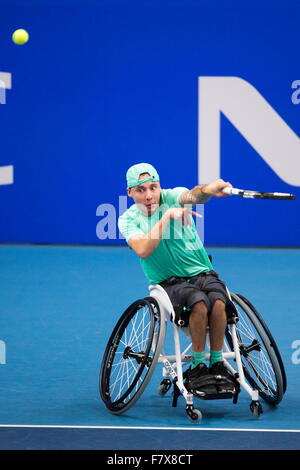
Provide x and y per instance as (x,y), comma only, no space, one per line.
(144,245)
(202,193)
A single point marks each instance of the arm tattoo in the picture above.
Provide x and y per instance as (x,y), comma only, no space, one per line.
(194,196)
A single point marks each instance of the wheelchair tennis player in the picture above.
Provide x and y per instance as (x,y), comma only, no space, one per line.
(160,229)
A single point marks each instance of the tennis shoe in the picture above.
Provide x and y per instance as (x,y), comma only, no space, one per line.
(224,380)
(199,381)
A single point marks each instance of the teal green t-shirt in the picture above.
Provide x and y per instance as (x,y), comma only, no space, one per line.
(179,253)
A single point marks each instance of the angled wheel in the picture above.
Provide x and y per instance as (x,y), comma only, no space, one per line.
(131,355)
(262,363)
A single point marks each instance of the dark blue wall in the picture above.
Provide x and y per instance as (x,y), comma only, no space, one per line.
(102,85)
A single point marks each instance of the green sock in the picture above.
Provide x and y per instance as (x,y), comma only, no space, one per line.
(198,357)
(216,356)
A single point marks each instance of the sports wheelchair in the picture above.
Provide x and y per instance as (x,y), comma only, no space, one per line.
(136,346)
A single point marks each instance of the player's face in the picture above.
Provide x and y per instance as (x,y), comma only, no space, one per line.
(146,196)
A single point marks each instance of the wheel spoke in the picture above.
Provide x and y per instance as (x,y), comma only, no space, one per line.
(127,366)
(258,358)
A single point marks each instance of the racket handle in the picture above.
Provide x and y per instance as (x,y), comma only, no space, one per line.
(228,190)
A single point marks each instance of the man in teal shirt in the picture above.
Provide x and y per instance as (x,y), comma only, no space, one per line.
(160,229)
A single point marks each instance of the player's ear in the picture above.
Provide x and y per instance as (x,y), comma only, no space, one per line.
(129,192)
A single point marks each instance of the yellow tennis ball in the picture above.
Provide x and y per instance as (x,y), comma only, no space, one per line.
(20,36)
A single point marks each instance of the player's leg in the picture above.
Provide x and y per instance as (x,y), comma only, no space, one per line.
(217,325)
(217,328)
(198,378)
(198,323)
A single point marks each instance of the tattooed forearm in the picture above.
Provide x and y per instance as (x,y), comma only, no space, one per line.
(196,195)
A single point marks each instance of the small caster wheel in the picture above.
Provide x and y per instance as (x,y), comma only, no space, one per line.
(195,416)
(164,387)
(256,409)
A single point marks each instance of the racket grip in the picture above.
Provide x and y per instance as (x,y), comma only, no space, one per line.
(227,190)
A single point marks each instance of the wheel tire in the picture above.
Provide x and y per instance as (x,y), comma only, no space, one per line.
(131,355)
(259,353)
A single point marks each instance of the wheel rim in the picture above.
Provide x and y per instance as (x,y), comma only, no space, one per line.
(253,352)
(259,362)
(129,359)
(271,340)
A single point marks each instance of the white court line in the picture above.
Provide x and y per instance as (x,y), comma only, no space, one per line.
(144,427)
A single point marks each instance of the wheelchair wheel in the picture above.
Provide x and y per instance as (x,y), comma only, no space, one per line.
(262,363)
(131,355)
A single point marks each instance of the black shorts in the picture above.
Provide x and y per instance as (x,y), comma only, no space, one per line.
(206,287)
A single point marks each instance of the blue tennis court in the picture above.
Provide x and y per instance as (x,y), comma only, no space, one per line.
(196,90)
(59,305)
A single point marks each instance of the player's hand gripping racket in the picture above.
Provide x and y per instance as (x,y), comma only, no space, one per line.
(257,194)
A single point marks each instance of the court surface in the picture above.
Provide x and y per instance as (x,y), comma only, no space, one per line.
(59,305)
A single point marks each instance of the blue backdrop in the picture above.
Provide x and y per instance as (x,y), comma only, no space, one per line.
(102,85)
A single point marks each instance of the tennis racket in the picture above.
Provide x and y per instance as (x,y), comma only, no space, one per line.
(257,194)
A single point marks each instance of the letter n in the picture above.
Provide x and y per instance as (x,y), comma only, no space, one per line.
(254,118)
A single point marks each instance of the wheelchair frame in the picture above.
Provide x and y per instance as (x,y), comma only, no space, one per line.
(172,364)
